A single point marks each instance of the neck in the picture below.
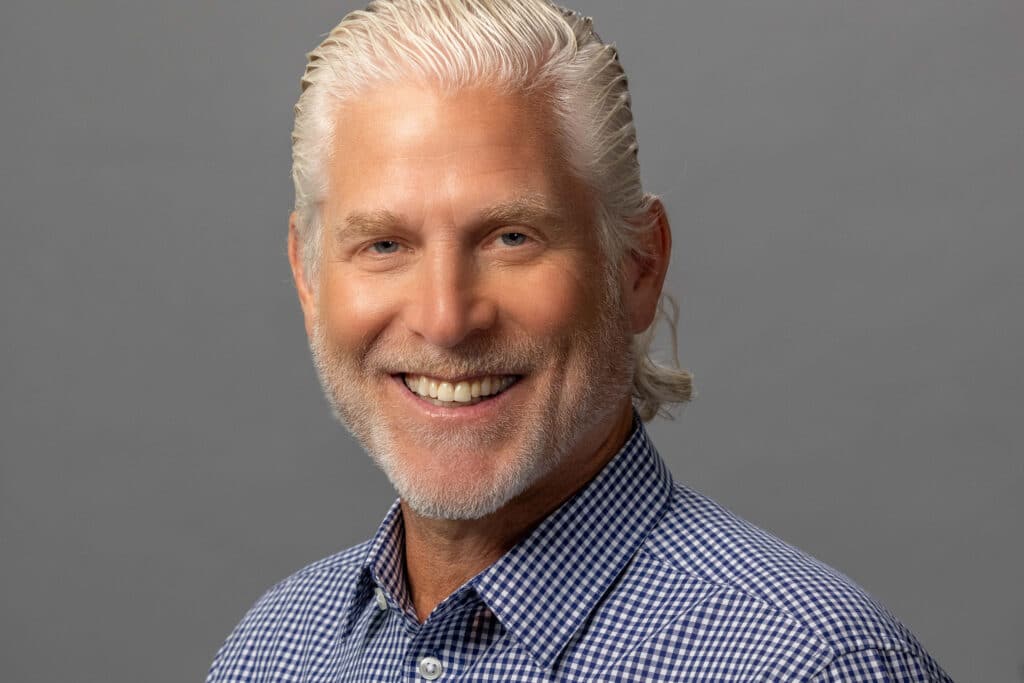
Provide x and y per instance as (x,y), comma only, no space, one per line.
(442,554)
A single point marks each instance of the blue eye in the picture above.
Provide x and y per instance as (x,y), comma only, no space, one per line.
(513,239)
(385,247)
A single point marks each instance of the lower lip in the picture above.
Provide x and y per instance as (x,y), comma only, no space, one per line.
(477,411)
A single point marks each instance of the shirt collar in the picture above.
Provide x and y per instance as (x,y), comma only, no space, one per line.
(385,559)
(544,588)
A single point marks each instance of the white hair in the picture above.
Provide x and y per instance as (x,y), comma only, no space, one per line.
(526,46)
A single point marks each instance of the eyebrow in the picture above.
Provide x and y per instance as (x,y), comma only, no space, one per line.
(528,210)
(362,224)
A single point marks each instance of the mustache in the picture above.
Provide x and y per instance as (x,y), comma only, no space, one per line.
(474,357)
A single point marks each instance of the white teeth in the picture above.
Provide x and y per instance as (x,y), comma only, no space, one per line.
(466,391)
(462,393)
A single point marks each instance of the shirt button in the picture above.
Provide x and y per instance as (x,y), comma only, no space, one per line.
(430,668)
(382,602)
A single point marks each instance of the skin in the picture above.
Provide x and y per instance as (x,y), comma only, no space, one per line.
(435,278)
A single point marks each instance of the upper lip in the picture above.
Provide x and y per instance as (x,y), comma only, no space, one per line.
(462,378)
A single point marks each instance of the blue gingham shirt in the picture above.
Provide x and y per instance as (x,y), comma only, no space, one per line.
(633,579)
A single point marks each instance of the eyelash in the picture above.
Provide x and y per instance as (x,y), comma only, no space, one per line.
(503,235)
(393,243)
(393,246)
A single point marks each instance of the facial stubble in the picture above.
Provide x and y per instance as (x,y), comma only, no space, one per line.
(588,371)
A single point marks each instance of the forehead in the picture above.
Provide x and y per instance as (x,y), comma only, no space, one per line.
(416,151)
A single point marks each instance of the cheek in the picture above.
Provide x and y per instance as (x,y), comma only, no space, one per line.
(552,301)
(353,309)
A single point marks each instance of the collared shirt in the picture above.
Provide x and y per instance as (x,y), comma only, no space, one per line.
(634,578)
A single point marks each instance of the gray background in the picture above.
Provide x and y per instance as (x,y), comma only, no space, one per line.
(846,181)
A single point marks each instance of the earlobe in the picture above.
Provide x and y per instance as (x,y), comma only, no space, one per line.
(647,270)
(297,263)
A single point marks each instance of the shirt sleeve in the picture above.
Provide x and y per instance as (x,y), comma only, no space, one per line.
(251,649)
(291,628)
(888,666)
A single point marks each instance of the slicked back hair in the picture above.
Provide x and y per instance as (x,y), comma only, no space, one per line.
(531,47)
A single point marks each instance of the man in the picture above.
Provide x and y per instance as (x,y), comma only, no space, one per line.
(479,270)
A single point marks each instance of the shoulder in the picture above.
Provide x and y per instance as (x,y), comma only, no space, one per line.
(752,575)
(296,617)
(305,589)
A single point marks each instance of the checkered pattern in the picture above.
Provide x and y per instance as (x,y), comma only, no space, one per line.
(633,579)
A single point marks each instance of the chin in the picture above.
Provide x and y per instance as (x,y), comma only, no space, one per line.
(446,488)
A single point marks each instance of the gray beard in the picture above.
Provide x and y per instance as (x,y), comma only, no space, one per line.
(602,372)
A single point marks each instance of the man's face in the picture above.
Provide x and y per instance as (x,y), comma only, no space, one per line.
(460,261)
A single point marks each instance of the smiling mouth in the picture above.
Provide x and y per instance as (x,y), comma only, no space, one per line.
(460,393)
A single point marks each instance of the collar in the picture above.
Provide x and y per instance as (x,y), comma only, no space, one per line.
(385,561)
(544,588)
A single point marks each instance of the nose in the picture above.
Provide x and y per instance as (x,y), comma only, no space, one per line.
(447,300)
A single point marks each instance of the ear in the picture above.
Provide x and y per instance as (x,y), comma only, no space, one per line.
(644,272)
(306,298)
